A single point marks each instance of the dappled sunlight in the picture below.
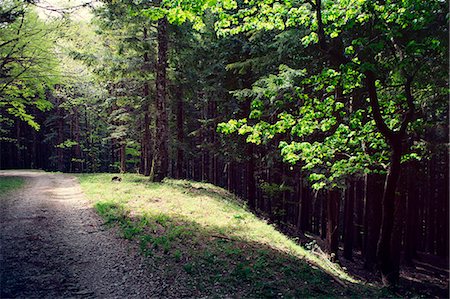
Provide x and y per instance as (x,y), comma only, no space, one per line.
(176,209)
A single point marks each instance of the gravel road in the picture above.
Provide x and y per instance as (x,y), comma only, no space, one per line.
(53,245)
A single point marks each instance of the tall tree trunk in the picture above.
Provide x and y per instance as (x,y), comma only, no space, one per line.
(358,220)
(18,146)
(145,150)
(348,221)
(161,151)
(33,159)
(387,249)
(412,214)
(374,194)
(430,204)
(443,242)
(59,150)
(251,182)
(299,193)
(146,160)
(333,205)
(180,134)
(78,163)
(123,158)
(389,266)
(323,217)
(305,216)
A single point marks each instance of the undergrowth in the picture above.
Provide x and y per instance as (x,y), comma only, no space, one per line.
(206,243)
(8,184)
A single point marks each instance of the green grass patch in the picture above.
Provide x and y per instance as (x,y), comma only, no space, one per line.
(8,184)
(204,240)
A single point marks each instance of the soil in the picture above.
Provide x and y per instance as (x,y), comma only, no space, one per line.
(53,245)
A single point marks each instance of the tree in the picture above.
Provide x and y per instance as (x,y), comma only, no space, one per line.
(27,66)
(398,41)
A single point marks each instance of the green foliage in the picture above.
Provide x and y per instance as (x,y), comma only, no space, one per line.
(273,189)
(310,113)
(28,68)
(312,126)
(67,144)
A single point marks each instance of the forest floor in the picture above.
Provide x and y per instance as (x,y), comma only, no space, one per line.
(170,240)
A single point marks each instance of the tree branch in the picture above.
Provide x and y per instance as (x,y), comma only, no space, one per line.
(411,108)
(375,105)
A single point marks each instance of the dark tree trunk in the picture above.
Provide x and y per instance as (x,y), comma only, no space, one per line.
(323,217)
(18,151)
(231,177)
(299,193)
(386,249)
(348,221)
(443,241)
(145,150)
(333,204)
(251,187)
(78,164)
(123,158)
(358,208)
(305,210)
(34,150)
(59,150)
(161,141)
(411,214)
(180,134)
(374,194)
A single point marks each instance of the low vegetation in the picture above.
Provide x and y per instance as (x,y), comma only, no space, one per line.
(8,184)
(201,236)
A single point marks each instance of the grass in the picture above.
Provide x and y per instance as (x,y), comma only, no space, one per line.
(8,184)
(204,241)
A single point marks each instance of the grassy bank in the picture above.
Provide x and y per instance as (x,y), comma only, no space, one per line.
(205,242)
(8,184)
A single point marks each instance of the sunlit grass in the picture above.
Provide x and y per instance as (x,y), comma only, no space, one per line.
(8,184)
(210,232)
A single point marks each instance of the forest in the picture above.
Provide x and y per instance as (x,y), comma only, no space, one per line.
(329,119)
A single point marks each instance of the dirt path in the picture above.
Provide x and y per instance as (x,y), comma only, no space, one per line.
(53,245)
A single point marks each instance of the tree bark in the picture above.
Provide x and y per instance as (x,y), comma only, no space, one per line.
(145,150)
(387,250)
(374,194)
(358,216)
(323,217)
(161,151)
(443,242)
(18,145)
(123,158)
(299,193)
(412,215)
(180,134)
(305,216)
(251,187)
(333,204)
(389,266)
(59,150)
(348,221)
(78,165)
